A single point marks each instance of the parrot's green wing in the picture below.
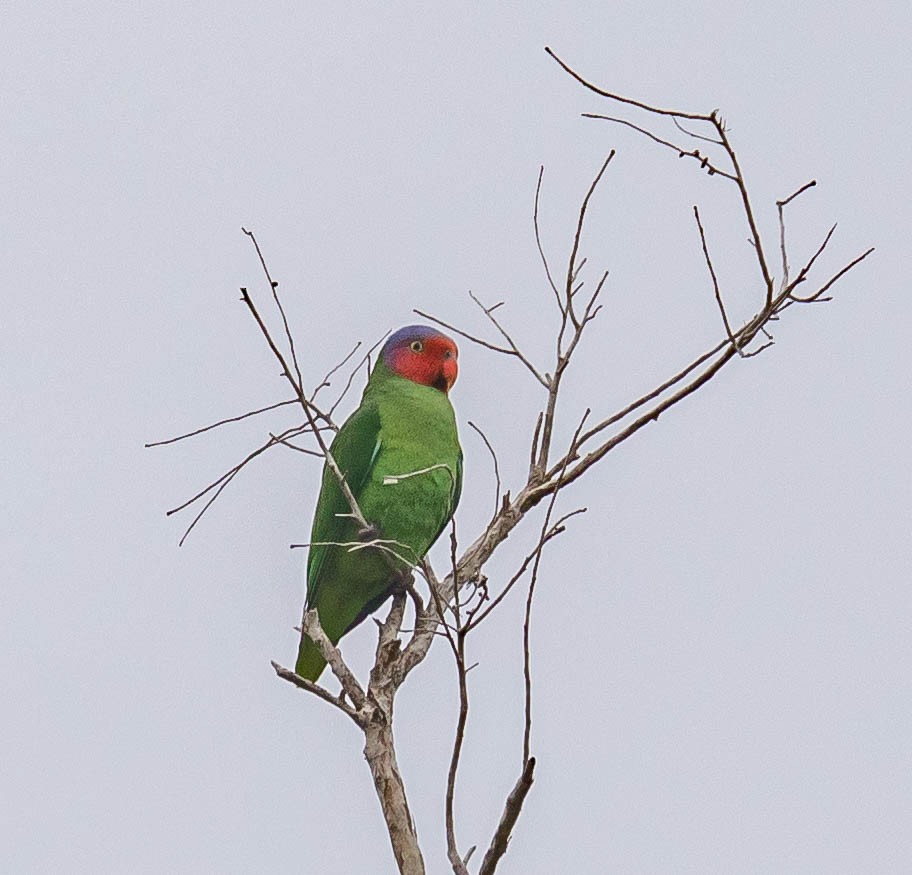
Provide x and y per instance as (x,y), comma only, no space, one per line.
(355,450)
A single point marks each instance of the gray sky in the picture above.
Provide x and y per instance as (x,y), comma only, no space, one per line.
(721,645)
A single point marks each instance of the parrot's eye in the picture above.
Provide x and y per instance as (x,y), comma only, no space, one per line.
(416,346)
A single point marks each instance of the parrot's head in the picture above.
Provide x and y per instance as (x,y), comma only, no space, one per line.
(422,354)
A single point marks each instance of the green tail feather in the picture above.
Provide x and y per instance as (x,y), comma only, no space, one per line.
(310,662)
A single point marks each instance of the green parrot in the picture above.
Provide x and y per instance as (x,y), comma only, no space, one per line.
(400,455)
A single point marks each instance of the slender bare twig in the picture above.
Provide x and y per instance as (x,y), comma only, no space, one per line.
(287,443)
(538,241)
(528,560)
(620,99)
(780,207)
(712,273)
(802,274)
(833,279)
(512,350)
(365,359)
(221,422)
(571,265)
(286,370)
(222,482)
(705,163)
(795,194)
(311,687)
(695,136)
(533,452)
(487,443)
(564,353)
(527,619)
(457,639)
(746,204)
(273,286)
(324,383)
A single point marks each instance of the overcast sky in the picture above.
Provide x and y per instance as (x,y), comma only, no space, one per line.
(721,645)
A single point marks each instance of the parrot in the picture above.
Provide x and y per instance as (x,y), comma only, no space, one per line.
(400,455)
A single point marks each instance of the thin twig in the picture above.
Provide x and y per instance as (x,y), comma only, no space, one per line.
(746,203)
(324,383)
(534,470)
(838,275)
(538,241)
(206,428)
(287,443)
(564,354)
(780,207)
(302,683)
(712,273)
(705,163)
(487,443)
(654,109)
(624,412)
(222,482)
(489,312)
(527,618)
(795,194)
(512,351)
(689,133)
(365,359)
(274,286)
(571,265)
(552,532)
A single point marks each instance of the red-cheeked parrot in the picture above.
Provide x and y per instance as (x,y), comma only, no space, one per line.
(400,455)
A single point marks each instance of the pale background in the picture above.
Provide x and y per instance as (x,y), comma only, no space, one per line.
(722,645)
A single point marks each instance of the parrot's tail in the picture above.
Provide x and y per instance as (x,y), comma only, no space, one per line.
(310,662)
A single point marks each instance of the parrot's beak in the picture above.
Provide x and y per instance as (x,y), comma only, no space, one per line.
(448,373)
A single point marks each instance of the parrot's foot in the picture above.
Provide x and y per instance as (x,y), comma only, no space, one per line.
(369,533)
(401,582)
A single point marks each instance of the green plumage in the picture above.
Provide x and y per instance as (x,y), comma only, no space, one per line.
(400,428)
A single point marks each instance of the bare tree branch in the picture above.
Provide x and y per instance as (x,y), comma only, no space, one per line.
(705,163)
(833,279)
(538,241)
(712,273)
(746,203)
(324,383)
(487,443)
(780,206)
(312,628)
(273,285)
(222,482)
(508,819)
(627,100)
(221,422)
(511,350)
(309,686)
